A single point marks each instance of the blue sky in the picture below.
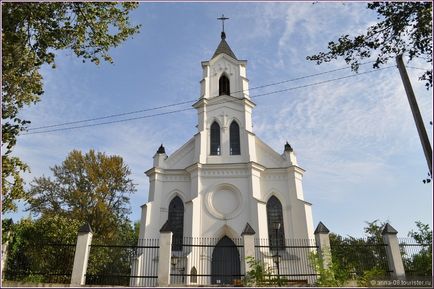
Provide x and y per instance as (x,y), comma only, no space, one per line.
(355,137)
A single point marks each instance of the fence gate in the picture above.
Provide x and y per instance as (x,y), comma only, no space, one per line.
(206,261)
(225,264)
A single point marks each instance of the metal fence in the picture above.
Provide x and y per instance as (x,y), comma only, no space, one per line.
(357,255)
(287,263)
(207,261)
(416,256)
(50,263)
(117,265)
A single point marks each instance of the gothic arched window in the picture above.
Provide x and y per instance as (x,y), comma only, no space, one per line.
(193,275)
(234,138)
(224,88)
(176,222)
(215,139)
(276,234)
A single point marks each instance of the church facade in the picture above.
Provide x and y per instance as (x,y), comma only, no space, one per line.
(225,179)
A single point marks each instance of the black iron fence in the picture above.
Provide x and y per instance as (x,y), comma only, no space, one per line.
(205,261)
(416,256)
(358,255)
(50,263)
(123,265)
(288,263)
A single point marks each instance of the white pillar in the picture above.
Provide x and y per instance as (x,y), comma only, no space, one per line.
(249,245)
(81,256)
(164,255)
(323,242)
(393,253)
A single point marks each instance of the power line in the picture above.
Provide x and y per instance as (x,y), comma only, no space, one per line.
(188,101)
(234,100)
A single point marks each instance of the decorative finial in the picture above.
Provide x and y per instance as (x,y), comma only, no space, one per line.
(223,18)
(161,150)
(288,147)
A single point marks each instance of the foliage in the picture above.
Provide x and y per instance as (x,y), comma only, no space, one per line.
(260,275)
(403,27)
(31,34)
(357,255)
(40,247)
(333,276)
(91,188)
(420,263)
(35,248)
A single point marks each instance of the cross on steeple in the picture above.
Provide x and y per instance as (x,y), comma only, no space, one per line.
(223,18)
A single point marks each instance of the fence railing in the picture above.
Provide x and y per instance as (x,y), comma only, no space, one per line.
(287,262)
(113,264)
(360,255)
(205,261)
(50,263)
(417,257)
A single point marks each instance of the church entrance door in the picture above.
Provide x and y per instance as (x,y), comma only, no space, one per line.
(225,264)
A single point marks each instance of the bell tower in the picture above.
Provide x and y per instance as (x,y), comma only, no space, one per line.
(224,108)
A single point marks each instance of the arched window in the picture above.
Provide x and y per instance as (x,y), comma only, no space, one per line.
(234,138)
(276,233)
(193,275)
(176,222)
(215,139)
(224,88)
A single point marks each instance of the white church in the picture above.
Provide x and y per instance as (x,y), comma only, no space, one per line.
(225,181)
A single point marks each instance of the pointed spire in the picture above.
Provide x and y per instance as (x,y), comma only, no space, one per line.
(161,150)
(388,229)
(223,46)
(288,147)
(85,229)
(248,230)
(321,228)
(166,228)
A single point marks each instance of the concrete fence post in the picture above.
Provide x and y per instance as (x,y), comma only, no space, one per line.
(164,255)
(81,257)
(322,240)
(249,245)
(394,258)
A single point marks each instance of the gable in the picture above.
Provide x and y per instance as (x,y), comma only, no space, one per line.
(266,156)
(182,157)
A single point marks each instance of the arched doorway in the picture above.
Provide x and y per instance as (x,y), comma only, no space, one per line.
(225,264)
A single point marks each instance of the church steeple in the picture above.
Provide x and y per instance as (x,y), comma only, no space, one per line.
(223,46)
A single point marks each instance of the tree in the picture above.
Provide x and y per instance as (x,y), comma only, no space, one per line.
(91,187)
(420,263)
(31,34)
(42,250)
(404,27)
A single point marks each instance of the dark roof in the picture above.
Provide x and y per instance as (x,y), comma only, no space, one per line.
(248,230)
(85,228)
(224,48)
(321,228)
(161,150)
(388,229)
(166,227)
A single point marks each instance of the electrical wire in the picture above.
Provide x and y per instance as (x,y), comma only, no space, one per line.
(217,103)
(188,101)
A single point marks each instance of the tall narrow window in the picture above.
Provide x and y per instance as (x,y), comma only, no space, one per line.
(276,234)
(224,88)
(234,138)
(215,139)
(176,222)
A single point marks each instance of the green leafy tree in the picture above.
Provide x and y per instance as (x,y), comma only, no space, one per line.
(31,35)
(357,255)
(420,264)
(42,247)
(403,27)
(91,188)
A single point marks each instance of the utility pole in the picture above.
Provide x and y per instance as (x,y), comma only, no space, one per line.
(416,113)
